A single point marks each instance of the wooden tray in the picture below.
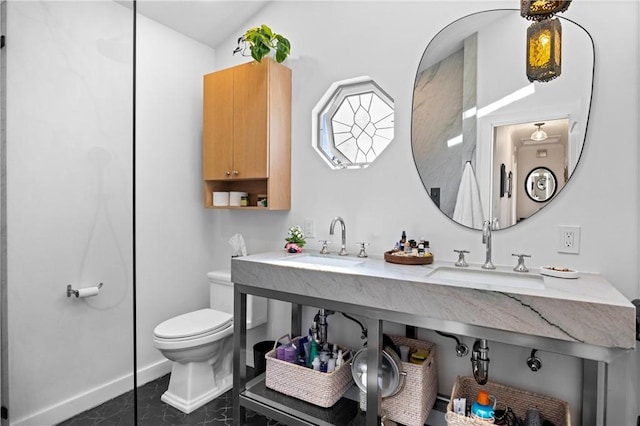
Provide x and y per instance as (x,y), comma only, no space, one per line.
(408,260)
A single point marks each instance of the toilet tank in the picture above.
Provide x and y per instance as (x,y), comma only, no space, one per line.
(221,298)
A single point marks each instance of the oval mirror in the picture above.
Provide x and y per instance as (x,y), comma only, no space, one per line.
(479,126)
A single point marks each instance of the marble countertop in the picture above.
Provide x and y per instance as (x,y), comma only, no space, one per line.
(587,309)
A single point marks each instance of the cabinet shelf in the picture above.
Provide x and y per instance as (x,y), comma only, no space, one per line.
(277,199)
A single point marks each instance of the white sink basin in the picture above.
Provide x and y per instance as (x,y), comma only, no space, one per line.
(486,278)
(309,259)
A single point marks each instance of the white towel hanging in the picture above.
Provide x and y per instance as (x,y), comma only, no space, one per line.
(468,210)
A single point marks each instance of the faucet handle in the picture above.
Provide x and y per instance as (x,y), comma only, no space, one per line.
(520,267)
(461,261)
(324,249)
(363,253)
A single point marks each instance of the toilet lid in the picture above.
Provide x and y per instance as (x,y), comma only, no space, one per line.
(196,323)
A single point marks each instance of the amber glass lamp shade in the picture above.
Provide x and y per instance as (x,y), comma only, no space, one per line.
(538,10)
(544,50)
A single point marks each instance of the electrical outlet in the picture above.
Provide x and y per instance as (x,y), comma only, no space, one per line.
(569,239)
(309,227)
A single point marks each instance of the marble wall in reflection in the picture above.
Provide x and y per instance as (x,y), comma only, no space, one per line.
(442,141)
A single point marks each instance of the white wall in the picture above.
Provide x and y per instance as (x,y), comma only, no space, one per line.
(386,40)
(174,249)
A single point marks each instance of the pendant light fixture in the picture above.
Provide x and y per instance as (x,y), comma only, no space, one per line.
(544,50)
(538,10)
(539,135)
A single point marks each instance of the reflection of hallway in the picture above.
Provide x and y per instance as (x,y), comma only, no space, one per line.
(518,157)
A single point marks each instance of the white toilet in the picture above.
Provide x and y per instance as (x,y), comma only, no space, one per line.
(200,345)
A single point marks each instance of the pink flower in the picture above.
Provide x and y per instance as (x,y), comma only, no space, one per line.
(293,248)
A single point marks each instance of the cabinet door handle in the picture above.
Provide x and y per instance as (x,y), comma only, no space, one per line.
(235,172)
(228,173)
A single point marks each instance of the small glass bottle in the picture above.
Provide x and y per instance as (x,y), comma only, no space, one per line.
(427,251)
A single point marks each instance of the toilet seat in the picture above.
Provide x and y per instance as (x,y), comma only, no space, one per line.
(198,327)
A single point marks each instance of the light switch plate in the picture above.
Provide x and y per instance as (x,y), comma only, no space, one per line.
(309,227)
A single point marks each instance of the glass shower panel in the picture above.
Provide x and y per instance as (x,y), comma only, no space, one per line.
(68,173)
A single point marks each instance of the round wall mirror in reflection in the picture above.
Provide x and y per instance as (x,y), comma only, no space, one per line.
(540,184)
(476,117)
(352,123)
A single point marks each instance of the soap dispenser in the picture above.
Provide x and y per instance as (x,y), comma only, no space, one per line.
(482,408)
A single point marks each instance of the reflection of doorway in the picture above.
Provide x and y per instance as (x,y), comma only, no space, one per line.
(515,148)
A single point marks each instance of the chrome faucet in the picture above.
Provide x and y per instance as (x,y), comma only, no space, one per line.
(486,239)
(343,249)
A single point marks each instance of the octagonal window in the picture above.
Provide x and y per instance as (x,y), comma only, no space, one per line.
(352,123)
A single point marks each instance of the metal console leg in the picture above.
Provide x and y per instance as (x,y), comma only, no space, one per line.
(374,359)
(239,354)
(296,320)
(594,392)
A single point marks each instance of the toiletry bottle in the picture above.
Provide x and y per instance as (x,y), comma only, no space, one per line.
(290,353)
(313,352)
(407,247)
(280,352)
(339,359)
(483,408)
(316,364)
(331,365)
(301,345)
(403,241)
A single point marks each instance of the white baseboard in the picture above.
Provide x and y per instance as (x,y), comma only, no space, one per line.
(94,397)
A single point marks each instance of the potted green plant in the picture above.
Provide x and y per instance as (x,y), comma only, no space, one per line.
(260,40)
(295,240)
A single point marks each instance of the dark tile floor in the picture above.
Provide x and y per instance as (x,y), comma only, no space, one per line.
(153,412)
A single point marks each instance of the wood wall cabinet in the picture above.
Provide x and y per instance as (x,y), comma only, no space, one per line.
(247,133)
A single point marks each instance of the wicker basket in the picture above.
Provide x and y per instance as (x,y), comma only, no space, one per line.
(412,405)
(552,409)
(322,389)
